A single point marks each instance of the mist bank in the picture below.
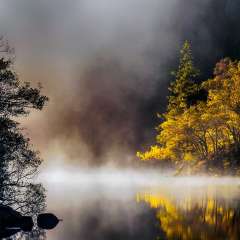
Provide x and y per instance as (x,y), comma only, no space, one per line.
(110,177)
(133,204)
(122,208)
(105,67)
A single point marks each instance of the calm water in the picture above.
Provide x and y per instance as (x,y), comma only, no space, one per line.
(146,206)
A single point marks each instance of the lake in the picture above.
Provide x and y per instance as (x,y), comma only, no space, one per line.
(131,205)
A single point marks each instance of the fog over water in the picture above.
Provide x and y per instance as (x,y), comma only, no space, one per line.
(105,65)
(111,204)
(127,177)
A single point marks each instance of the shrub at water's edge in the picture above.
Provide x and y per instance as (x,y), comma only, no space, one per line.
(200,131)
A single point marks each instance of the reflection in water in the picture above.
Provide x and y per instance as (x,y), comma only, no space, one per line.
(198,214)
(167,209)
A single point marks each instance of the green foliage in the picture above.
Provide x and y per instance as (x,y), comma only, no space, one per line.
(184,85)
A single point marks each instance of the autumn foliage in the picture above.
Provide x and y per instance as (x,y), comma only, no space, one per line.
(196,133)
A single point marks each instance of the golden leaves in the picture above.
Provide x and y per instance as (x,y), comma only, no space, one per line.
(205,130)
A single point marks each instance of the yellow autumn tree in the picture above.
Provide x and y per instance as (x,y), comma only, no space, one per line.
(222,112)
(207,133)
(172,140)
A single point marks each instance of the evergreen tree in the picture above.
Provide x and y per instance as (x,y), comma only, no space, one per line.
(184,86)
(206,135)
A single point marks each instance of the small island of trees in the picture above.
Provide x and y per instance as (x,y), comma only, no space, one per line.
(200,130)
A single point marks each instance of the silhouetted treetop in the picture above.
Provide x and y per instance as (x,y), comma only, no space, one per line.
(19,162)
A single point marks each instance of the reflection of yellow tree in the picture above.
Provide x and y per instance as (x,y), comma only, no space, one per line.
(190,218)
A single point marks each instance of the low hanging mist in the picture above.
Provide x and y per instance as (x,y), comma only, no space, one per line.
(99,71)
(110,203)
(113,177)
(105,66)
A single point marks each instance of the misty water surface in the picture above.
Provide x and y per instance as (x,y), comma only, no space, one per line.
(128,205)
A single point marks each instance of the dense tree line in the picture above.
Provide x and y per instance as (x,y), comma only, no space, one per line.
(201,128)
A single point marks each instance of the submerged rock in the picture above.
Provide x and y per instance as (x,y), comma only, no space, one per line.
(47,221)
